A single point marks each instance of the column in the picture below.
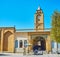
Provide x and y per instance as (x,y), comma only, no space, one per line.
(48,44)
(1,40)
(18,43)
(23,43)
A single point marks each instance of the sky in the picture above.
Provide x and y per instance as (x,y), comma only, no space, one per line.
(20,13)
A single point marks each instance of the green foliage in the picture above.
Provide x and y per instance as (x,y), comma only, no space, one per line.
(55,30)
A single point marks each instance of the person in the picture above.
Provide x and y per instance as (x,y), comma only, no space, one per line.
(35,49)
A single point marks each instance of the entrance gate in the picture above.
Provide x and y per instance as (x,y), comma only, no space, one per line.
(40,43)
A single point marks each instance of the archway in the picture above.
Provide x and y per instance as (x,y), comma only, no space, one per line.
(5,40)
(40,41)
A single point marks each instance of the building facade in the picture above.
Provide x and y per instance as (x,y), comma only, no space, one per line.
(12,40)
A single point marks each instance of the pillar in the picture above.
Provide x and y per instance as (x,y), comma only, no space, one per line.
(18,43)
(2,40)
(48,44)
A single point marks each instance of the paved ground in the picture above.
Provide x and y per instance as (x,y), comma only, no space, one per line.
(21,55)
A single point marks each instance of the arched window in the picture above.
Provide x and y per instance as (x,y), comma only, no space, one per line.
(25,43)
(20,43)
(16,43)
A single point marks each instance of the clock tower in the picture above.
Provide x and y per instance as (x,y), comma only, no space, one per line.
(39,19)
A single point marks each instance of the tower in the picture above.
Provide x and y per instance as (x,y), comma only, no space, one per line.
(39,19)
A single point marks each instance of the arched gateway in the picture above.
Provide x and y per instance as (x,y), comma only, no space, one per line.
(40,42)
(6,40)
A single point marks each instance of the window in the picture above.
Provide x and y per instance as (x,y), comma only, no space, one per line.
(25,43)
(16,43)
(38,18)
(20,44)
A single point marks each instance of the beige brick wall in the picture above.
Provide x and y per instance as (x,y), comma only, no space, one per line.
(21,34)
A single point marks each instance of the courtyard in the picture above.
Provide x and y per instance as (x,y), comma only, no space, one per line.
(28,55)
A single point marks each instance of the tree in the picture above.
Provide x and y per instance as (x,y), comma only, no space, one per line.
(55,30)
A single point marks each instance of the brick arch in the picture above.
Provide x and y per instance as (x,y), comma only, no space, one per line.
(5,40)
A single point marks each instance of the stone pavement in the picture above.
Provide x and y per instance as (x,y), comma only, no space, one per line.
(21,55)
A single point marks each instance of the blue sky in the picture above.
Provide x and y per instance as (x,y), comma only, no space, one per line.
(20,13)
